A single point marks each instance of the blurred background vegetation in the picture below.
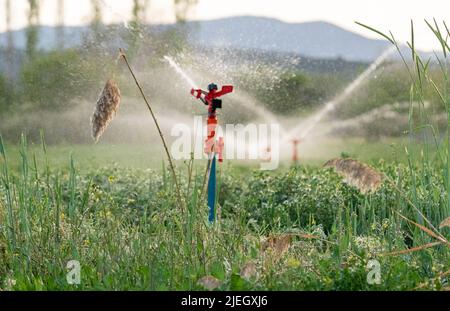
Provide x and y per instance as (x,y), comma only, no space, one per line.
(38,86)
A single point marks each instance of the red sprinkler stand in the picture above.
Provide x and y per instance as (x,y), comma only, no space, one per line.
(212,149)
(219,149)
(268,154)
(211,98)
(295,143)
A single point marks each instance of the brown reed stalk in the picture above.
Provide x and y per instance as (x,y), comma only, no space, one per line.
(412,250)
(430,232)
(172,166)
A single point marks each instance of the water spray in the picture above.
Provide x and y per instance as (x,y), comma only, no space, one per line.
(212,148)
(330,106)
(180,71)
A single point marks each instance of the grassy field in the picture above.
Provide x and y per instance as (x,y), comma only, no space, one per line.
(114,210)
(109,217)
(148,156)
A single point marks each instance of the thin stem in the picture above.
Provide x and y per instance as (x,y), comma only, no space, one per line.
(205,178)
(172,167)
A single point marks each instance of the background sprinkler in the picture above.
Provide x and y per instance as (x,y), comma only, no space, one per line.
(307,127)
(295,143)
(268,154)
(211,99)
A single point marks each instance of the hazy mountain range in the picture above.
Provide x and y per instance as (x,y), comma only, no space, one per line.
(312,39)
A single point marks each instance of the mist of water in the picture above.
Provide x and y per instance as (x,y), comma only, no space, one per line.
(302,130)
(180,71)
(312,122)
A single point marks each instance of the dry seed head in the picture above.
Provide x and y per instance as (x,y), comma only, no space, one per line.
(106,108)
(357,174)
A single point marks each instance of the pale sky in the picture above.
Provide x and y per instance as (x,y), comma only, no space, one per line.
(394,15)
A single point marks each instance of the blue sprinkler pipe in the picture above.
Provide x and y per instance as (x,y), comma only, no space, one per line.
(212,190)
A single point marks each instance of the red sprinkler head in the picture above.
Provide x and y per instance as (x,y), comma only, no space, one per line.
(211,98)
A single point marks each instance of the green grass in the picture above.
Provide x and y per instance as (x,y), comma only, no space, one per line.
(92,156)
(126,228)
(144,156)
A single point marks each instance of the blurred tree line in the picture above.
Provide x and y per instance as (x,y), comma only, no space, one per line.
(55,79)
(299,91)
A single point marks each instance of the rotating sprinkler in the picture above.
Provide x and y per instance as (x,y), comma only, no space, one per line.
(213,145)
